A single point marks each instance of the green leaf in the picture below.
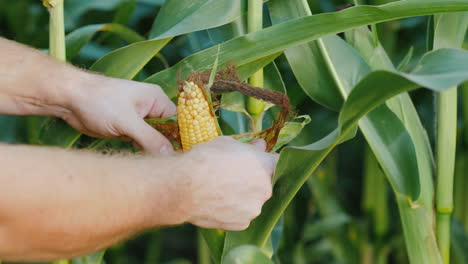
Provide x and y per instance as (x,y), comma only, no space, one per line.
(329,207)
(215,241)
(406,60)
(235,102)
(273,81)
(326,224)
(297,163)
(179,17)
(74,9)
(245,70)
(11,129)
(178,261)
(290,131)
(449,30)
(245,49)
(236,121)
(403,107)
(126,62)
(56,132)
(246,255)
(124,11)
(459,239)
(306,60)
(416,216)
(152,2)
(95,258)
(438,71)
(213,74)
(77,39)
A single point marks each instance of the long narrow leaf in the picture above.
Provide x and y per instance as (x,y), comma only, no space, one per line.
(297,163)
(306,61)
(277,38)
(77,39)
(179,17)
(128,61)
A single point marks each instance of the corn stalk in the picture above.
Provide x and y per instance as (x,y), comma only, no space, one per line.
(56,29)
(375,204)
(449,32)
(56,42)
(255,23)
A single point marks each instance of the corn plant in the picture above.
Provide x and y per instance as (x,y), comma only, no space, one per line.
(350,74)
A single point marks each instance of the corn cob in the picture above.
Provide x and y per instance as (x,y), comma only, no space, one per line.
(197,123)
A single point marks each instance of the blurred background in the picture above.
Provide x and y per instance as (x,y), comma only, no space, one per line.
(322,213)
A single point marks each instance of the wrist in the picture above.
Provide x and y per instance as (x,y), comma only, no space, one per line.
(197,166)
(170,191)
(73,92)
(55,94)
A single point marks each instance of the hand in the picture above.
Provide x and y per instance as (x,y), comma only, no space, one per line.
(231,184)
(114,108)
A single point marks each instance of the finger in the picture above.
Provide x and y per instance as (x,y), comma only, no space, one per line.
(269,163)
(148,138)
(163,106)
(274,157)
(260,144)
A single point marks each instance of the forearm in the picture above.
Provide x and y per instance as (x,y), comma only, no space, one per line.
(56,204)
(31,83)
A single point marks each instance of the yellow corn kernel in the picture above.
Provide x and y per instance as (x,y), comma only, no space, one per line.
(196,122)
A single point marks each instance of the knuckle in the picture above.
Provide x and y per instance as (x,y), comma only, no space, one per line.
(244,226)
(257,212)
(254,211)
(269,189)
(265,190)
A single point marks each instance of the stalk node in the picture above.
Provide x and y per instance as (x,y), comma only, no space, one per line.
(444,210)
(51,3)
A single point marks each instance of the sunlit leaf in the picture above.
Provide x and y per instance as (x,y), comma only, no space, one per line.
(297,163)
(246,255)
(277,38)
(96,258)
(306,60)
(195,15)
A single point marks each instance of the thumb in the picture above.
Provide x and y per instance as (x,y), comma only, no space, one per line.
(148,138)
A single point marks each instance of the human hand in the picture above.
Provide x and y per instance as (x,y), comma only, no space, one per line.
(114,108)
(231,184)
(99,106)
